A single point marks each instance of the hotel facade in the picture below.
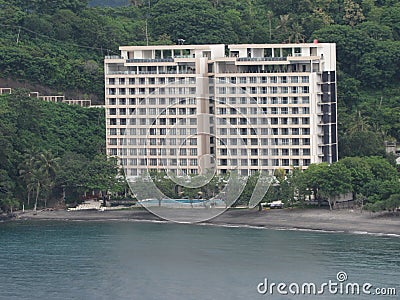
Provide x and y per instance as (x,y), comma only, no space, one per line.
(250,107)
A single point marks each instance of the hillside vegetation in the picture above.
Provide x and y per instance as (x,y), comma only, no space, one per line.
(51,153)
(61,44)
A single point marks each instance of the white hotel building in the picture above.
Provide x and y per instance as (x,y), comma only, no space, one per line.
(250,107)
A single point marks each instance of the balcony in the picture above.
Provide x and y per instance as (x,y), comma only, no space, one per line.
(149,60)
(261,59)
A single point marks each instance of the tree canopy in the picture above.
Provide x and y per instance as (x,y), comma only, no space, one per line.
(61,45)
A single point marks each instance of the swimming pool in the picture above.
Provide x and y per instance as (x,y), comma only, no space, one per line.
(182,202)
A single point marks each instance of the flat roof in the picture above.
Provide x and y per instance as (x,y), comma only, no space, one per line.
(169,47)
(295,45)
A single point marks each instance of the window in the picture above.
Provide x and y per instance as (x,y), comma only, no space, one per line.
(285,142)
(305,89)
(222,90)
(305,131)
(113,131)
(304,79)
(264,131)
(274,121)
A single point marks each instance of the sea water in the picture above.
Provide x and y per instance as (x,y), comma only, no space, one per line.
(139,260)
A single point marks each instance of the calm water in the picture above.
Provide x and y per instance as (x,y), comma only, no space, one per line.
(131,260)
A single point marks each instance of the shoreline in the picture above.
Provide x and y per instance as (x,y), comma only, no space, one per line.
(305,219)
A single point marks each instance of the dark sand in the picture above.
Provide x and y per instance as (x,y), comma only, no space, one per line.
(351,221)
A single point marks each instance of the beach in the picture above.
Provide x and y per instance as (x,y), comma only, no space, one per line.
(321,219)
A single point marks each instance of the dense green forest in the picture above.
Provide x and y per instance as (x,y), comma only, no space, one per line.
(48,150)
(61,45)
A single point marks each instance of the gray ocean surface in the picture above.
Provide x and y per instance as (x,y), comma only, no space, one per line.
(134,260)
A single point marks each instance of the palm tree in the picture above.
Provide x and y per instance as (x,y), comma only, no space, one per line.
(48,167)
(296,34)
(358,123)
(38,171)
(25,171)
(283,24)
(37,176)
(48,163)
(270,15)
